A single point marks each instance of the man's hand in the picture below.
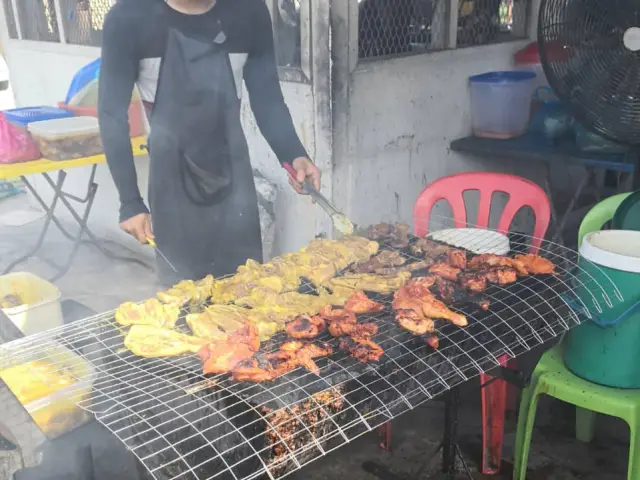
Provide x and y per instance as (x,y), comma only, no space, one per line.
(139,227)
(305,171)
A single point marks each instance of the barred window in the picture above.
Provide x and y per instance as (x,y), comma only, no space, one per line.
(396,27)
(82,22)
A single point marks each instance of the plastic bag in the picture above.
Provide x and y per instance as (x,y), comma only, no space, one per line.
(15,144)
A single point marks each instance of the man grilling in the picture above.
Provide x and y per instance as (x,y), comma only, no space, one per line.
(188,59)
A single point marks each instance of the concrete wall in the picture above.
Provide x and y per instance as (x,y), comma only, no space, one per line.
(41,74)
(402,115)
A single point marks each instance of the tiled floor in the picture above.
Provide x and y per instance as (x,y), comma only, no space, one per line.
(101,284)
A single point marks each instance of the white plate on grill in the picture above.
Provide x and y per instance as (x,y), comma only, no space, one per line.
(476,240)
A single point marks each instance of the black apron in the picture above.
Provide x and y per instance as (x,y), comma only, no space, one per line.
(203,200)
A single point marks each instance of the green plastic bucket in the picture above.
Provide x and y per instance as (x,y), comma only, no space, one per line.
(606,349)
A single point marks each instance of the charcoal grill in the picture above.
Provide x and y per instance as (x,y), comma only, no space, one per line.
(183,425)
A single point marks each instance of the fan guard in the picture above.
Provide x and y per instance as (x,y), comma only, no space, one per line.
(590,53)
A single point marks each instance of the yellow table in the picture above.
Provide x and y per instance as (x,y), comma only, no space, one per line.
(44,167)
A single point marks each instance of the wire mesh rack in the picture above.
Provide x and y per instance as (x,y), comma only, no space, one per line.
(182,424)
(395,27)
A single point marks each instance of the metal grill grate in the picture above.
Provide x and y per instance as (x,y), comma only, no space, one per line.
(181,424)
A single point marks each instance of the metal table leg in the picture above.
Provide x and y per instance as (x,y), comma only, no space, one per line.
(81,219)
(48,219)
(449,445)
(559,222)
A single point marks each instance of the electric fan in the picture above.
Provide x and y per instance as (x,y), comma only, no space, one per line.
(590,52)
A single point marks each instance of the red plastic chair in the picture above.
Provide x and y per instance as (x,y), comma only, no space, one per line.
(522,193)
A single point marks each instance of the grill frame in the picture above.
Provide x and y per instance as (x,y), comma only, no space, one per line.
(149,404)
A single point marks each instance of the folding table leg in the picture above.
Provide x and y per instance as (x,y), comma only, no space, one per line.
(50,217)
(92,189)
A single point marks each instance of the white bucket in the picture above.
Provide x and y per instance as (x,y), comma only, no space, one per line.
(41,309)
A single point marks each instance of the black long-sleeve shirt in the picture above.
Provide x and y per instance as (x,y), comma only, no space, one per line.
(134,38)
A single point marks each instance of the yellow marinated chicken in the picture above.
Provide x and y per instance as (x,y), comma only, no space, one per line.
(229,318)
(150,341)
(188,291)
(35,380)
(203,327)
(368,282)
(149,312)
(319,261)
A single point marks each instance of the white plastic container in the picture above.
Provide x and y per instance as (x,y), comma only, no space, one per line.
(41,308)
(67,138)
(476,240)
(501,103)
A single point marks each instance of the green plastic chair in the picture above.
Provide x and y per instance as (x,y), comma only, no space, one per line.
(553,378)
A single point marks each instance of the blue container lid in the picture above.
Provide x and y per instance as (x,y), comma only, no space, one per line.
(511,76)
(27,115)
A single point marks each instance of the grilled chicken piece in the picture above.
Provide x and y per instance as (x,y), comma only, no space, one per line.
(417,297)
(371,283)
(536,265)
(360,303)
(433,341)
(379,231)
(385,259)
(412,267)
(339,328)
(423,247)
(434,308)
(416,324)
(445,271)
(408,304)
(151,341)
(400,236)
(361,348)
(457,258)
(254,370)
(294,354)
(493,260)
(150,312)
(474,281)
(452,293)
(341,322)
(225,355)
(500,275)
(306,354)
(332,315)
(364,330)
(304,327)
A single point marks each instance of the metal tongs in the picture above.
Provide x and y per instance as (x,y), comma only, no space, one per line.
(152,243)
(340,221)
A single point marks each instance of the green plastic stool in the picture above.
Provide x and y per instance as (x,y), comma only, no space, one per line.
(552,378)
